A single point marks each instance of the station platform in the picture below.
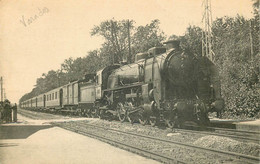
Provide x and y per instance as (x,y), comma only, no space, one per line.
(243,125)
(36,141)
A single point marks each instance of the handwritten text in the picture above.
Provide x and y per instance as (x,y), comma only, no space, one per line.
(27,21)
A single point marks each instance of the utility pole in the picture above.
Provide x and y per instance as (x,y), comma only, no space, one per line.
(112,34)
(129,44)
(1,81)
(207,32)
(251,40)
(4,94)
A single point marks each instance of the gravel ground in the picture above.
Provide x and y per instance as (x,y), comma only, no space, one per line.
(227,144)
(168,134)
(40,116)
(191,156)
(208,141)
(179,152)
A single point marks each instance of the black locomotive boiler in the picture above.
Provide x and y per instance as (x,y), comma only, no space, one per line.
(164,84)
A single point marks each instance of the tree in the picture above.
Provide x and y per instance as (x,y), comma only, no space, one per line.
(116,45)
(239,73)
(191,41)
(115,34)
(147,36)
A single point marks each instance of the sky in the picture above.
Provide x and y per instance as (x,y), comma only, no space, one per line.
(37,36)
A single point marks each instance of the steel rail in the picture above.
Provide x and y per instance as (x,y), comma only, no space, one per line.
(134,149)
(221,152)
(234,130)
(238,155)
(256,140)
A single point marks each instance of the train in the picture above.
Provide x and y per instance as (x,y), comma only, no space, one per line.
(164,85)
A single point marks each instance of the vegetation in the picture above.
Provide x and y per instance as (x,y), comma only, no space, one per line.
(235,42)
(236,46)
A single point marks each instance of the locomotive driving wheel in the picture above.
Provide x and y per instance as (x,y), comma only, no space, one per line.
(129,116)
(121,112)
(153,121)
(141,117)
(87,113)
(101,114)
(95,113)
(98,111)
(171,123)
(153,117)
(92,113)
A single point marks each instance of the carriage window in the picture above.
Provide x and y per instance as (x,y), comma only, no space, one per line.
(52,96)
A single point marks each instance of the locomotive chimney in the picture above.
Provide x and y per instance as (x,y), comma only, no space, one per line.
(172,44)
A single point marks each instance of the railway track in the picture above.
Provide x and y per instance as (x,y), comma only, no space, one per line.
(245,136)
(80,127)
(27,114)
(39,115)
(83,128)
(156,156)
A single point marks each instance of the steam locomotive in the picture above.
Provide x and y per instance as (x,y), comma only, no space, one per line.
(164,84)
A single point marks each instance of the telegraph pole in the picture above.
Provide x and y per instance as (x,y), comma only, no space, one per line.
(129,44)
(112,34)
(207,32)
(2,93)
(251,41)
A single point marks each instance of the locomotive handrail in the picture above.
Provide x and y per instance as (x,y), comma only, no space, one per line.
(125,86)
